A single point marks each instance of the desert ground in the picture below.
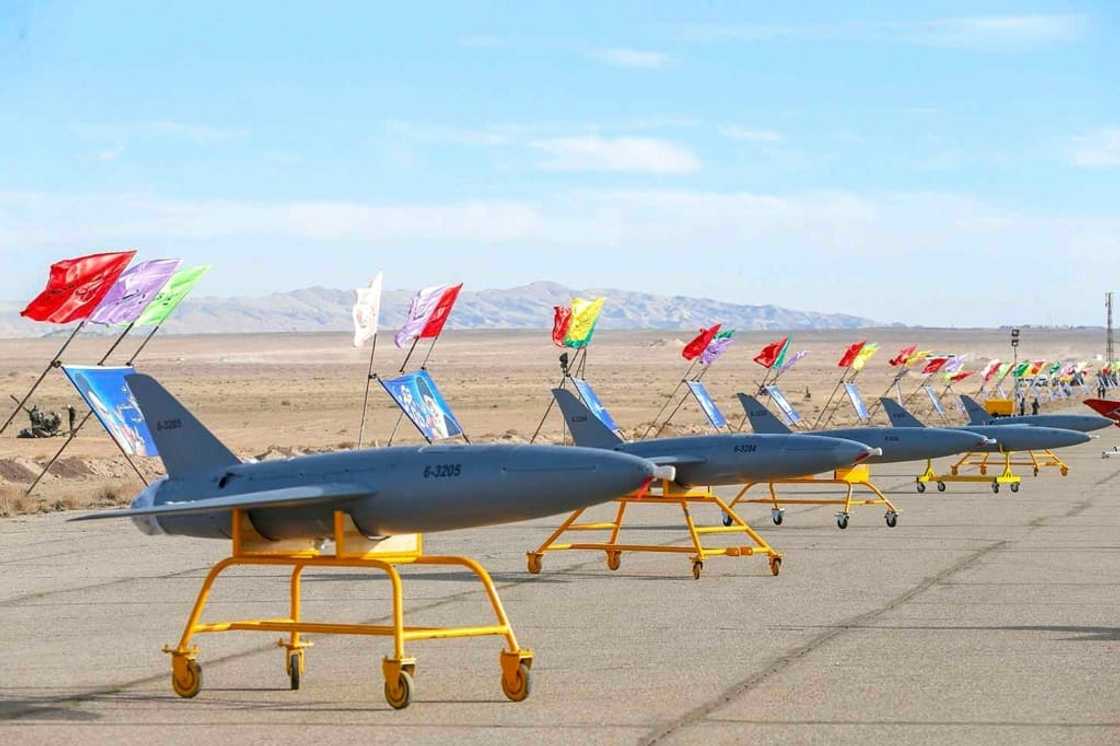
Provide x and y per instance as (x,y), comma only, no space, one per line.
(274,395)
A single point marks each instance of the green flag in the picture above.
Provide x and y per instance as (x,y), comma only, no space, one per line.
(181,283)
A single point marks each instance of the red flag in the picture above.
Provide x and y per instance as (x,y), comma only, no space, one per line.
(439,314)
(902,356)
(850,354)
(699,343)
(960,376)
(76,286)
(770,352)
(561,318)
(934,364)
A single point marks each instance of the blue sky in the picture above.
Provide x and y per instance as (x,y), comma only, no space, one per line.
(938,163)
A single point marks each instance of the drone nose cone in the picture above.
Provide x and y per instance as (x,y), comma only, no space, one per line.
(617,474)
(1098,423)
(850,452)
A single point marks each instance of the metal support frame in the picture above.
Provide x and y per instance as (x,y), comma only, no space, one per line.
(1006,476)
(55,362)
(186,673)
(664,493)
(850,478)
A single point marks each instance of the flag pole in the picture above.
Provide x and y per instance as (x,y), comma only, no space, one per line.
(830,398)
(680,404)
(836,409)
(120,339)
(669,398)
(54,363)
(409,355)
(552,400)
(143,344)
(365,401)
(879,400)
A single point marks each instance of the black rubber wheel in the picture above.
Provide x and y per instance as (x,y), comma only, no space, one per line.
(940,486)
(293,671)
(921,487)
(777,516)
(842,521)
(892,519)
(995,487)
(1014,486)
(697,569)
(727,520)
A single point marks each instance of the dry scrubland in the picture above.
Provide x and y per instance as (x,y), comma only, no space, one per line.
(275,395)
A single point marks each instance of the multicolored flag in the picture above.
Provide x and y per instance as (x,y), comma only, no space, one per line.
(1036,367)
(716,347)
(168,299)
(367,311)
(989,370)
(792,360)
(427,313)
(699,344)
(959,375)
(584,316)
(935,364)
(133,291)
(864,355)
(953,364)
(903,356)
(773,353)
(1004,370)
(850,354)
(76,287)
(1020,370)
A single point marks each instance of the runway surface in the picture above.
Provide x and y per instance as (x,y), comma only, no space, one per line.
(978,619)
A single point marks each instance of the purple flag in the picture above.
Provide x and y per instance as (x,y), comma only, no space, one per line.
(714,349)
(133,291)
(792,360)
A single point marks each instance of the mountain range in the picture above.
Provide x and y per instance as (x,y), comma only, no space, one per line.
(319,309)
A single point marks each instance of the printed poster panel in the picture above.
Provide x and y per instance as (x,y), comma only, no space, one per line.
(592,402)
(776,396)
(857,402)
(107,394)
(420,400)
(934,401)
(711,411)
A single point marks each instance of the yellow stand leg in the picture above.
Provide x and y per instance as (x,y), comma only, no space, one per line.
(849,479)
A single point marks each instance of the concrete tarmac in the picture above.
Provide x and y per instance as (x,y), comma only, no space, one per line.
(980,618)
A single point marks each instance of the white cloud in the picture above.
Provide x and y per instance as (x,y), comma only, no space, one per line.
(976,32)
(198,133)
(751,135)
(619,154)
(1098,149)
(633,58)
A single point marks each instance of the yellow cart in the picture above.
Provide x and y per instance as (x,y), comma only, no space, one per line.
(849,478)
(1006,476)
(351,550)
(664,493)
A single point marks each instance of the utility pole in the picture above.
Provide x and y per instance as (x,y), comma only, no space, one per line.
(1015,362)
(1108,352)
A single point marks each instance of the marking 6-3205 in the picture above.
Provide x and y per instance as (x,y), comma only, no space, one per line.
(442,471)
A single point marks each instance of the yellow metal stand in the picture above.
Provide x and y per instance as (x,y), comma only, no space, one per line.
(1006,476)
(664,494)
(351,550)
(1047,460)
(856,476)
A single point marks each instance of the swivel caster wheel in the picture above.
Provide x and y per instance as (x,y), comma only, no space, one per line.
(1036,471)
(983,470)
(891,518)
(940,486)
(614,560)
(186,678)
(295,668)
(697,569)
(921,487)
(1014,486)
(399,693)
(775,565)
(1064,471)
(534,563)
(518,689)
(995,487)
(841,520)
(727,520)
(777,515)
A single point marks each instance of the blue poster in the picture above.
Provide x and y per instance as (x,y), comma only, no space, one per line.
(592,402)
(857,402)
(776,396)
(934,401)
(710,409)
(420,400)
(105,392)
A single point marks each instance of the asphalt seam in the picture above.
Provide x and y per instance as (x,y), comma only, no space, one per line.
(779,664)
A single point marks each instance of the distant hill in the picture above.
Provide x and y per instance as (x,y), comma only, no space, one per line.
(319,309)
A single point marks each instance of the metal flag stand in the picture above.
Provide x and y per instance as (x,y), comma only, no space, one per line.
(579,365)
(351,550)
(423,367)
(365,400)
(848,477)
(662,492)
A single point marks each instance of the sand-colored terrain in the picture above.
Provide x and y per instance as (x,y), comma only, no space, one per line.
(271,395)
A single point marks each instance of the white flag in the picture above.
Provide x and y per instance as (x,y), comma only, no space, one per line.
(367,311)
